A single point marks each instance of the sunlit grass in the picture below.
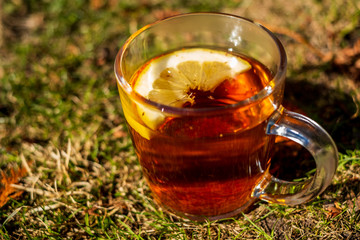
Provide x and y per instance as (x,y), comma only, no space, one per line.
(60,111)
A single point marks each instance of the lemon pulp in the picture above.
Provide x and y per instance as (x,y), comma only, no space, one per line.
(172,79)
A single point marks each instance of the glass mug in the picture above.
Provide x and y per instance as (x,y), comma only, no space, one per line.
(213,162)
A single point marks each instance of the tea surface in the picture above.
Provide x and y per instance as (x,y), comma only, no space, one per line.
(199,78)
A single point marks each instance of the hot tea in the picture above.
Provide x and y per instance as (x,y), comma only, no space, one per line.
(202,165)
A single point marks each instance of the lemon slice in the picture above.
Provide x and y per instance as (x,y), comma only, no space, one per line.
(169,78)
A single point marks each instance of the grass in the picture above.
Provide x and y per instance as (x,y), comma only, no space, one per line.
(61,120)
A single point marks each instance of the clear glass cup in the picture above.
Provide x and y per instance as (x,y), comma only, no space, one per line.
(217,172)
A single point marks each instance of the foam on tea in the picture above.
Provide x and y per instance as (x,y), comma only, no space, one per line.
(202,165)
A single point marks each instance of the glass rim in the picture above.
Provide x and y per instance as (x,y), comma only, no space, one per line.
(262,94)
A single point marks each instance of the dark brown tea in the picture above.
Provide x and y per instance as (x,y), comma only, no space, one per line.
(203,164)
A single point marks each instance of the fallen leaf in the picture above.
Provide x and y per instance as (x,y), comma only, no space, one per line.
(6,180)
(333,209)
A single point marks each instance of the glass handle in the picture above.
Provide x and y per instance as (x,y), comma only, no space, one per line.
(318,142)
